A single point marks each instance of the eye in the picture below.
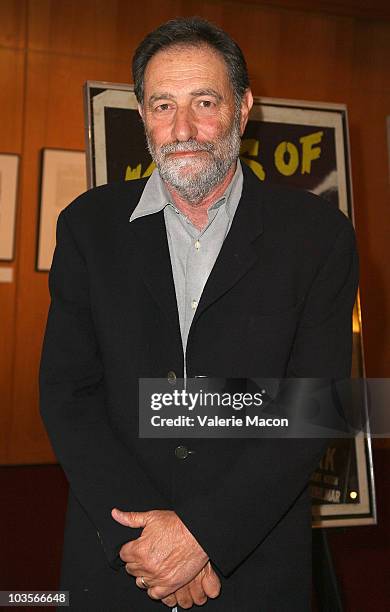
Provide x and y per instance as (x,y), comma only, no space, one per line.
(162,107)
(206,106)
(206,103)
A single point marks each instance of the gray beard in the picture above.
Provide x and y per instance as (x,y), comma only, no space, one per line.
(206,171)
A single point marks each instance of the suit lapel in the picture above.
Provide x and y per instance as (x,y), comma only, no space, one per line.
(238,253)
(151,251)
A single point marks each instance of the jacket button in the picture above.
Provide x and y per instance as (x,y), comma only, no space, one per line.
(182,452)
(171,377)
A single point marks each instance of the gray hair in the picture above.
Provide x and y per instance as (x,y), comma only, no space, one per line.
(191,31)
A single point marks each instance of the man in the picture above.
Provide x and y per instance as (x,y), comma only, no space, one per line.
(202,270)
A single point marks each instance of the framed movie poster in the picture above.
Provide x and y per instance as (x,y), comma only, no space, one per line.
(9,165)
(296,143)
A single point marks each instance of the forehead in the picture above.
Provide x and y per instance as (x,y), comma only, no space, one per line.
(181,66)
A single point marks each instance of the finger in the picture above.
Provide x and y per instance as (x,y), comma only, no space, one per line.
(128,553)
(170,601)
(210,582)
(131,560)
(134,552)
(143,584)
(134,570)
(158,592)
(184,597)
(198,595)
(128,570)
(129,519)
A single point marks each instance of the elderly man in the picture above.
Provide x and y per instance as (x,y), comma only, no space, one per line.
(200,270)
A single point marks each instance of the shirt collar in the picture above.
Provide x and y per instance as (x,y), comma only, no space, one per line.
(153,199)
(155,196)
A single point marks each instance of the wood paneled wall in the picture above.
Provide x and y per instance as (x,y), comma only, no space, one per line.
(48,48)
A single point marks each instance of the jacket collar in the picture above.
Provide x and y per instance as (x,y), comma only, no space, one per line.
(148,241)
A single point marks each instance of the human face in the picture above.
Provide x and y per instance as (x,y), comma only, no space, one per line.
(192,121)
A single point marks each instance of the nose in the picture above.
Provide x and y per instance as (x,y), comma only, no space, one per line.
(184,127)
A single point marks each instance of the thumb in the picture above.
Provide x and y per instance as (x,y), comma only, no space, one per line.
(210,582)
(129,519)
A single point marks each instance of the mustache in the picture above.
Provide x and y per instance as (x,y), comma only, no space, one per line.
(183,147)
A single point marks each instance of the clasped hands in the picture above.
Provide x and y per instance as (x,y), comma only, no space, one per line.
(169,559)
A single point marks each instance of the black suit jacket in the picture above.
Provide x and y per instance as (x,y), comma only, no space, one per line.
(277,303)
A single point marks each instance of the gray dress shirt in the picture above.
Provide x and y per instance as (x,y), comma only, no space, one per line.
(192,251)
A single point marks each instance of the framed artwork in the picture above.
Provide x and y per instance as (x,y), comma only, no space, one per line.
(297,143)
(63,178)
(9,168)
(388,143)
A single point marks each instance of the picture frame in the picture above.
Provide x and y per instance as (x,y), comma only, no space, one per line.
(388,144)
(63,178)
(9,175)
(292,142)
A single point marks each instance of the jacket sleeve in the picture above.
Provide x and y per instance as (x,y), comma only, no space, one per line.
(101,471)
(244,507)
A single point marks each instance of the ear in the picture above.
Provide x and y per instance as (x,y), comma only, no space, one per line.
(246,105)
(140,110)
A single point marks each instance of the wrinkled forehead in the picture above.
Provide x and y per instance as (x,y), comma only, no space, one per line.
(184,57)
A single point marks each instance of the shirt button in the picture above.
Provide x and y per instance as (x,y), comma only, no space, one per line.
(171,377)
(197,245)
(181,452)
(194,304)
